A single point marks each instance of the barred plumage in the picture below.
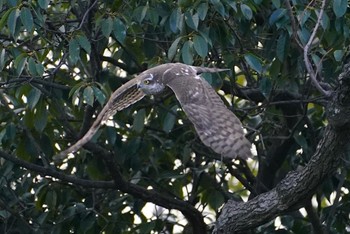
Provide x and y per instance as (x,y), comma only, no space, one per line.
(215,124)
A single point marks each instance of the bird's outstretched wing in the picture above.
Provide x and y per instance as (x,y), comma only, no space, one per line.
(123,97)
(217,127)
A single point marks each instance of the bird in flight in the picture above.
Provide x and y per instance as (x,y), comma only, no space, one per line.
(216,126)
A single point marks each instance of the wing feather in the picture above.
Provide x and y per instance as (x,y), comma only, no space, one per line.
(217,127)
(120,99)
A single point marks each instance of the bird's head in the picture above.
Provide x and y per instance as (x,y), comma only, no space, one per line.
(150,84)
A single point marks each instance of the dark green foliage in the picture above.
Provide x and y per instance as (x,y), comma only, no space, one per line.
(60,61)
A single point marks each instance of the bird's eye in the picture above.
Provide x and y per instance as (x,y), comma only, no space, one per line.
(146,82)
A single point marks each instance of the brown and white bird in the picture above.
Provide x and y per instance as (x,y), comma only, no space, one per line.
(216,126)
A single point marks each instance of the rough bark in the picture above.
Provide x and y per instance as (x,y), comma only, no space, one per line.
(298,185)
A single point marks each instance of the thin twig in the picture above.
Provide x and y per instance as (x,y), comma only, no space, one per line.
(308,65)
(86,14)
(293,23)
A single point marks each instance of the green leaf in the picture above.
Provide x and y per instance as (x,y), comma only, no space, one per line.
(32,67)
(276,15)
(2,59)
(84,43)
(74,51)
(192,20)
(40,69)
(119,30)
(254,62)
(139,121)
(107,27)
(276,3)
(33,98)
(219,7)
(153,16)
(27,18)
(338,55)
(340,7)
(88,95)
(200,45)
(282,46)
(246,11)
(40,117)
(143,13)
(233,5)
(214,198)
(170,119)
(11,131)
(175,20)
(274,69)
(325,20)
(12,21)
(265,86)
(20,62)
(44,4)
(186,52)
(51,198)
(202,10)
(304,35)
(300,139)
(101,98)
(173,48)
(5,16)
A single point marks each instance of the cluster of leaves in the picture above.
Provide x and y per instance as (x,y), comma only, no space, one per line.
(59,61)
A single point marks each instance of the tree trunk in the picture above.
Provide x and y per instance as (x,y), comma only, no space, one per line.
(299,185)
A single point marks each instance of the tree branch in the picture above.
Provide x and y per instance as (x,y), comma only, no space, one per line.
(291,192)
(309,68)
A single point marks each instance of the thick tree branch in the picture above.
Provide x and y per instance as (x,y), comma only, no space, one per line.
(194,217)
(299,185)
(44,171)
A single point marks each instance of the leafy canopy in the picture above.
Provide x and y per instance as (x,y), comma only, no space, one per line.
(60,61)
